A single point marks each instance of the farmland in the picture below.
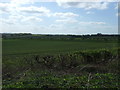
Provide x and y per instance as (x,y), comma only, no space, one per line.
(24,46)
(60,63)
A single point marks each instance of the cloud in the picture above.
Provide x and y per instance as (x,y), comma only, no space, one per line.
(66,21)
(35,10)
(15,13)
(13,5)
(19,19)
(84,5)
(92,23)
(65,15)
(55,26)
(89,12)
(32,19)
(6,21)
(21,2)
(12,19)
(4,7)
(66,18)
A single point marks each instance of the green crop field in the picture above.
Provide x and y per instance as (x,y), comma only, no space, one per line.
(45,63)
(30,46)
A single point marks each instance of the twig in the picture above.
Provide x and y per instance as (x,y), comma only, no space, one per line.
(88,82)
(83,67)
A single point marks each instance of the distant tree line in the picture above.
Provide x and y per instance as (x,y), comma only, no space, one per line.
(61,37)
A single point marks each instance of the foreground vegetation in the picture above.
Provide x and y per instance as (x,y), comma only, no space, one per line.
(38,63)
(86,69)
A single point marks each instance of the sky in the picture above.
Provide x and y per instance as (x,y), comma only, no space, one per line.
(29,16)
